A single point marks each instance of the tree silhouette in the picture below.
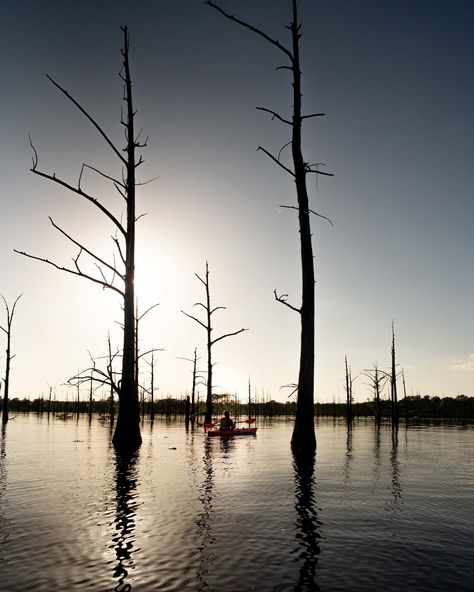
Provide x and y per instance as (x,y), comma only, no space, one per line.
(210,340)
(8,331)
(303,437)
(119,274)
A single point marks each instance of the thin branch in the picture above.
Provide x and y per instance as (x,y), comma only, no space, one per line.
(227,335)
(313,115)
(99,172)
(283,298)
(79,273)
(308,211)
(119,248)
(94,123)
(79,191)
(274,115)
(195,319)
(90,253)
(277,161)
(281,150)
(274,42)
(218,308)
(308,169)
(147,311)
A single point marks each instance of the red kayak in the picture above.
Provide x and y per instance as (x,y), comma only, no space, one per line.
(236,432)
(248,431)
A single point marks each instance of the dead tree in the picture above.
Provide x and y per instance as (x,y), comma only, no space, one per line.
(197,379)
(207,325)
(393,382)
(349,397)
(119,274)
(9,357)
(304,437)
(377,378)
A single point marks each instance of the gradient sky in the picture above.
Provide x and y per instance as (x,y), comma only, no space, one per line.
(395,79)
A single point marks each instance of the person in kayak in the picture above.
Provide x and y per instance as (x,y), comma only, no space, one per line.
(226,422)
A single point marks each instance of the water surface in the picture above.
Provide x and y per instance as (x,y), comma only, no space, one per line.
(377,510)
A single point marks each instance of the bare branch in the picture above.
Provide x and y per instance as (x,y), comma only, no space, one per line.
(79,273)
(293,386)
(35,154)
(308,211)
(277,161)
(147,311)
(111,267)
(283,298)
(200,279)
(84,112)
(195,319)
(153,350)
(227,335)
(115,181)
(274,42)
(218,308)
(281,150)
(79,191)
(119,248)
(141,216)
(313,115)
(308,169)
(274,115)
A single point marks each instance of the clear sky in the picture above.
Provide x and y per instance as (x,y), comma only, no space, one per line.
(395,79)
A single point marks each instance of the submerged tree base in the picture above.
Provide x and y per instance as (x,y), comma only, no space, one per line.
(303,441)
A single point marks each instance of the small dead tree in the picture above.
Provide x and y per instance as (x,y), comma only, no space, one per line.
(349,397)
(9,357)
(207,325)
(198,378)
(304,437)
(121,270)
(377,379)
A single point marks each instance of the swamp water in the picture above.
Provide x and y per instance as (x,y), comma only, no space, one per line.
(378,511)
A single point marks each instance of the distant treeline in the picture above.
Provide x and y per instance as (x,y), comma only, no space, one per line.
(460,407)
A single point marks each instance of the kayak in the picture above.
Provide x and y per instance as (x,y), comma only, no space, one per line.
(236,432)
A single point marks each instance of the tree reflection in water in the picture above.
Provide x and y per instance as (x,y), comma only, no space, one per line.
(307,524)
(203,521)
(123,540)
(3,482)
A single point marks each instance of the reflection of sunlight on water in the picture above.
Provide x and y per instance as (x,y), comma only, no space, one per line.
(195,514)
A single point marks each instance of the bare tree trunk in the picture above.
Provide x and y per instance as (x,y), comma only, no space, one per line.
(303,437)
(8,357)
(127,430)
(210,341)
(193,392)
(393,383)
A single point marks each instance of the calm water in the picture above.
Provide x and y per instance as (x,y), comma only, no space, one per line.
(378,511)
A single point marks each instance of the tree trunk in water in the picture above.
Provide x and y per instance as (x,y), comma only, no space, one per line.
(127,430)
(304,437)
(6,382)
(209,405)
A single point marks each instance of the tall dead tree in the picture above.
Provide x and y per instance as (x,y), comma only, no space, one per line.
(8,331)
(121,270)
(207,325)
(393,382)
(303,437)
